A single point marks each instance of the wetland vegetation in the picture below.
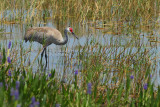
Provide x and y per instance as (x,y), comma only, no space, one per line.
(115,62)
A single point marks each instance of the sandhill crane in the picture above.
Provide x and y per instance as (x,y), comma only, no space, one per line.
(46,36)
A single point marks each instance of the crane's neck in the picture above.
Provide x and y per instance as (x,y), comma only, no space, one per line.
(66,38)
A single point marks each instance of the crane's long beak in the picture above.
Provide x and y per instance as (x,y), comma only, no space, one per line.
(74,35)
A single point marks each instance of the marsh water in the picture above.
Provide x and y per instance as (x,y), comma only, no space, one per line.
(57,55)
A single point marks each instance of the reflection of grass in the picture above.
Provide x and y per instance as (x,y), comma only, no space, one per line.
(109,75)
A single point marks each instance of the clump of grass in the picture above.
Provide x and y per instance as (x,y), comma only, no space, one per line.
(121,14)
(107,77)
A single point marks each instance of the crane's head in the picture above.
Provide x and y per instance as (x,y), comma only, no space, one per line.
(69,29)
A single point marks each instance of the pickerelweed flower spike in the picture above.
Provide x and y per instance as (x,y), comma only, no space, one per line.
(8,60)
(0,59)
(18,105)
(6,85)
(150,75)
(12,92)
(33,99)
(131,77)
(57,105)
(9,45)
(89,88)
(34,102)
(15,93)
(1,84)
(17,84)
(9,73)
(76,72)
(49,74)
(145,86)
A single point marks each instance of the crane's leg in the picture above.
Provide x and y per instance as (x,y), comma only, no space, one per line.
(42,55)
(42,52)
(46,56)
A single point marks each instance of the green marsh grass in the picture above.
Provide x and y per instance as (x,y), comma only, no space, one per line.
(108,70)
(135,13)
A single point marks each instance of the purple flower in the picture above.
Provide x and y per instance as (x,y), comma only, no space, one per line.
(76,72)
(22,77)
(9,73)
(18,105)
(150,75)
(34,102)
(15,93)
(9,45)
(49,74)
(8,60)
(0,59)
(31,105)
(12,92)
(131,77)
(57,105)
(33,99)
(145,86)
(6,86)
(1,84)
(89,88)
(17,84)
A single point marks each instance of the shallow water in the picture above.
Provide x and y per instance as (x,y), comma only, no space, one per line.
(57,56)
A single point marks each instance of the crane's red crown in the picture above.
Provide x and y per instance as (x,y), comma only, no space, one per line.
(71,30)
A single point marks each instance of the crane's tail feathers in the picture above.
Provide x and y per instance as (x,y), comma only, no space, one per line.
(25,38)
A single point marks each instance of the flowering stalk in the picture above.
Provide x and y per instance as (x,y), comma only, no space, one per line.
(8,59)
(15,93)
(89,88)
(8,52)
(145,86)
(9,73)
(9,46)
(34,103)
(76,73)
(132,77)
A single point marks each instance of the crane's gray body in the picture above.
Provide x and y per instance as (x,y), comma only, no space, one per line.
(47,36)
(44,35)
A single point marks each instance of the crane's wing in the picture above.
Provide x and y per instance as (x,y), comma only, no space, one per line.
(43,35)
(35,34)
